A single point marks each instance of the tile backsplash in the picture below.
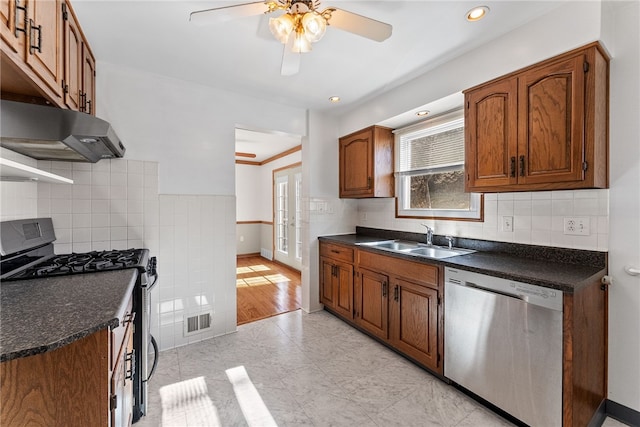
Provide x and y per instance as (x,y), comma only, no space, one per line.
(112,204)
(538,218)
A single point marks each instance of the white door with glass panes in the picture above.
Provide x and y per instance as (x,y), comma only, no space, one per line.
(287,214)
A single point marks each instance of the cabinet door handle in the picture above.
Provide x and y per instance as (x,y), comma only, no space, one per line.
(131,359)
(384,289)
(368,182)
(33,28)
(89,104)
(521,165)
(83,102)
(395,293)
(513,167)
(25,20)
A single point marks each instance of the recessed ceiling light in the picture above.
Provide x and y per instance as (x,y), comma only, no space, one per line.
(334,99)
(477,13)
(422,113)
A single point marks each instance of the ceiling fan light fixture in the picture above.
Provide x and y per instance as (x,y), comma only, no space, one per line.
(314,26)
(281,27)
(477,13)
(301,43)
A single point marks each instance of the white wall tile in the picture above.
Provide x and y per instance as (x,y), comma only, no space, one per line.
(538,218)
(81,235)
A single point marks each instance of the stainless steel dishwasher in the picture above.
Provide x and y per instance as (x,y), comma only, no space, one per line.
(503,342)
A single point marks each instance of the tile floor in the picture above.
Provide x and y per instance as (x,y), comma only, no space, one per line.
(310,370)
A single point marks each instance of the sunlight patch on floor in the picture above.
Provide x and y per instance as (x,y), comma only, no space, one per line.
(255,412)
(277,278)
(187,403)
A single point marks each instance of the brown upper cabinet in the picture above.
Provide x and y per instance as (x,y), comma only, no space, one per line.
(45,57)
(541,128)
(366,163)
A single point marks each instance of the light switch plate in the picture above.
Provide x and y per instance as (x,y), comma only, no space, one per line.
(507,224)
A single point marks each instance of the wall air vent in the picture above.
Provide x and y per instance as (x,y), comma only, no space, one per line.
(197,323)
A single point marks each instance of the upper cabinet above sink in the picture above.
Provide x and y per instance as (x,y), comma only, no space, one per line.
(366,164)
(544,127)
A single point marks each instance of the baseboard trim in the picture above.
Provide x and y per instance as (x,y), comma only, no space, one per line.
(600,415)
(248,255)
(622,413)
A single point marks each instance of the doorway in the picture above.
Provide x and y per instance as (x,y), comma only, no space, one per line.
(268,163)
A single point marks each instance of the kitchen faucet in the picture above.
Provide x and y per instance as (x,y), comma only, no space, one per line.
(429,234)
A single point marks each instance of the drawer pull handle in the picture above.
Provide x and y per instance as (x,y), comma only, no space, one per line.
(131,359)
(32,28)
(17,20)
(128,318)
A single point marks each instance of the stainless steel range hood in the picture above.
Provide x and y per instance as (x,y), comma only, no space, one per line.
(50,133)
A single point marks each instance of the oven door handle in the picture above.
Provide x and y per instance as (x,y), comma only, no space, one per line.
(155,279)
(155,357)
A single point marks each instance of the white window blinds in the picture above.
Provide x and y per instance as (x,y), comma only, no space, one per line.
(431,147)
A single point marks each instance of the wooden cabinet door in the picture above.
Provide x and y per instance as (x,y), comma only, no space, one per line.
(88,81)
(326,282)
(44,42)
(551,123)
(8,23)
(73,63)
(371,304)
(343,289)
(414,322)
(491,135)
(356,164)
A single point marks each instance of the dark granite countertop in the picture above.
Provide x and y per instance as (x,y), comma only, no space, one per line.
(567,270)
(44,314)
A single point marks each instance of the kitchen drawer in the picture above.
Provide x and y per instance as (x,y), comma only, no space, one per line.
(118,334)
(415,271)
(337,252)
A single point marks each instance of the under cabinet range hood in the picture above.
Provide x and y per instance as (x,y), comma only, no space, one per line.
(50,133)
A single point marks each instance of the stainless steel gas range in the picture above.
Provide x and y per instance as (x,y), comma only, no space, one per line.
(27,252)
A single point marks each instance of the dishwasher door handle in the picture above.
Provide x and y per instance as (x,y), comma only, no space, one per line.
(493,291)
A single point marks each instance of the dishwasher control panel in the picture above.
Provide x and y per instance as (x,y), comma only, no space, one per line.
(532,294)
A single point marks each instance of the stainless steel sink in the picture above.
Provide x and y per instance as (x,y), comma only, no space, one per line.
(417,249)
(438,252)
(397,246)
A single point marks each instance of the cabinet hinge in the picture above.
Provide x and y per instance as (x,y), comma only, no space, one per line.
(65,88)
(438,300)
(113,402)
(65,14)
(585,166)
(468,104)
(438,357)
(585,66)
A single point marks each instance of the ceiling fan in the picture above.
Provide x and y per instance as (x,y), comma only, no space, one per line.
(300,23)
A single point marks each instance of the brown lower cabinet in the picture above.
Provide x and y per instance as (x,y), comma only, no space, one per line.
(400,303)
(85,383)
(395,300)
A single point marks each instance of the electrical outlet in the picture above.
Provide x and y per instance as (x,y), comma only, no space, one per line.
(507,224)
(578,226)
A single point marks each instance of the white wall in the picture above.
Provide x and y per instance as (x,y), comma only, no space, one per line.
(622,36)
(189,130)
(18,199)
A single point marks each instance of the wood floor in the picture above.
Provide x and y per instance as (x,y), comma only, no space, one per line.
(265,289)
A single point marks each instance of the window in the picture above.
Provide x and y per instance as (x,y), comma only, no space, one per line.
(430,171)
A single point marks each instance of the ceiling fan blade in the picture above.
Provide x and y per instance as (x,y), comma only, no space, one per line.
(360,25)
(227,13)
(290,59)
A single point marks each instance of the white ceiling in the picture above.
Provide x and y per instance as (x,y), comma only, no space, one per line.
(242,55)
